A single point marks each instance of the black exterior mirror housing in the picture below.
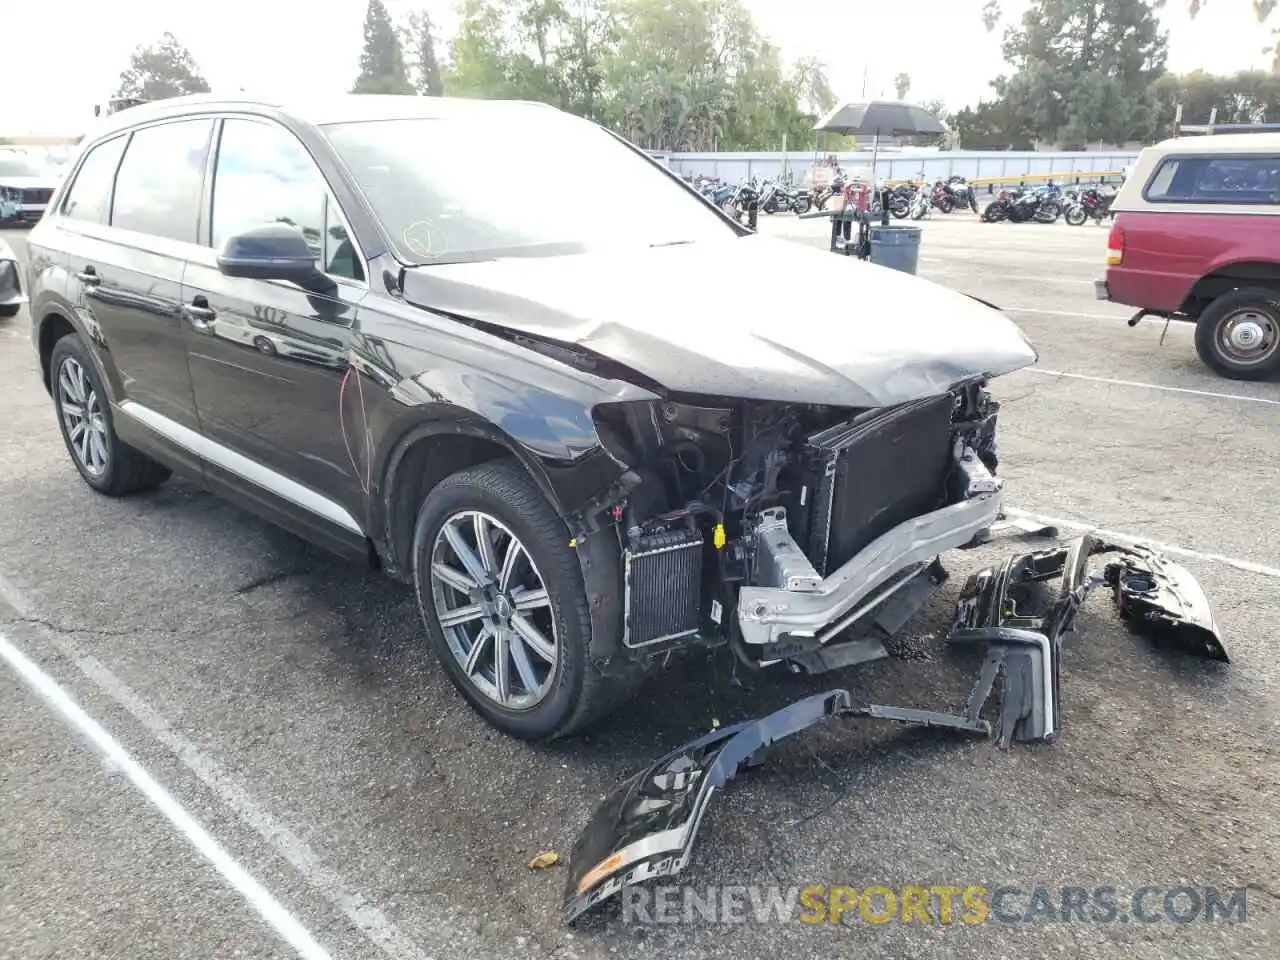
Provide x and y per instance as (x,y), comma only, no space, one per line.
(273,251)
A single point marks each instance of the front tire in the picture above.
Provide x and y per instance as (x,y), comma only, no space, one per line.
(9,311)
(502,597)
(107,463)
(1075,215)
(1238,334)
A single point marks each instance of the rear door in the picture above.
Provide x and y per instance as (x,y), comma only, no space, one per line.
(126,273)
(270,360)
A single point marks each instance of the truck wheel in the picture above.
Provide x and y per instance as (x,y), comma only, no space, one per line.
(1238,334)
(501,594)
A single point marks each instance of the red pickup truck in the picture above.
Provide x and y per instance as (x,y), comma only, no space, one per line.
(1196,237)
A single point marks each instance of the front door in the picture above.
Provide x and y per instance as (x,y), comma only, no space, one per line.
(269,360)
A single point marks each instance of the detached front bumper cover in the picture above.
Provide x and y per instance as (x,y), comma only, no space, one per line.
(647,826)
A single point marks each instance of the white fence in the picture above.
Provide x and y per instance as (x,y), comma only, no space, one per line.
(935,164)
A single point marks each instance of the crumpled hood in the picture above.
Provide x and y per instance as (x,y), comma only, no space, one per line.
(749,317)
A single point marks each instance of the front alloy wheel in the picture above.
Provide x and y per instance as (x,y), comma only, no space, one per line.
(492,604)
(501,593)
(81,412)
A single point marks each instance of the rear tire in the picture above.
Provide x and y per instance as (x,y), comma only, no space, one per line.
(107,463)
(1238,334)
(571,693)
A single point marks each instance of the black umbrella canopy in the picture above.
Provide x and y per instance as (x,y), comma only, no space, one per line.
(880,118)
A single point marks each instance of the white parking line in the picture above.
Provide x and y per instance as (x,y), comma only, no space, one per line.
(1248,566)
(357,908)
(1211,394)
(1111,317)
(270,909)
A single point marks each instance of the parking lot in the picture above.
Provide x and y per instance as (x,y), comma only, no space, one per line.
(286,702)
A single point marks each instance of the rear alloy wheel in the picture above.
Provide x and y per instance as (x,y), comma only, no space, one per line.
(105,462)
(1238,334)
(503,601)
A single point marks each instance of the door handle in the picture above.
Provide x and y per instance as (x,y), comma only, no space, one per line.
(89,277)
(199,313)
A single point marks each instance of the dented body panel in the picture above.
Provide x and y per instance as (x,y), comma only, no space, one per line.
(653,311)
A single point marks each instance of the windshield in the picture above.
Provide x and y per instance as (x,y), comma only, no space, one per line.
(12,165)
(538,182)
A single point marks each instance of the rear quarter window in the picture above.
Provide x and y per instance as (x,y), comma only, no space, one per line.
(89,198)
(1230,180)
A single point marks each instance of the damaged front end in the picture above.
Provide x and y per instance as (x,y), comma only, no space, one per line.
(773,527)
(647,826)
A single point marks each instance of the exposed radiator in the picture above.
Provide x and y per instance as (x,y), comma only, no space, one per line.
(869,475)
(663,584)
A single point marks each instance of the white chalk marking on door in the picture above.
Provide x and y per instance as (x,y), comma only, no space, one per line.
(267,907)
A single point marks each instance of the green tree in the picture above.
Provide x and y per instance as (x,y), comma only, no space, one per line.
(668,74)
(421,44)
(1084,70)
(382,67)
(479,54)
(901,85)
(163,69)
(591,37)
(990,126)
(1251,96)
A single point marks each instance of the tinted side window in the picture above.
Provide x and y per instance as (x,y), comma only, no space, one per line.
(1254,179)
(160,181)
(264,175)
(90,195)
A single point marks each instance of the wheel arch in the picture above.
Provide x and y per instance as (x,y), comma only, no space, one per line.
(423,455)
(53,326)
(1226,277)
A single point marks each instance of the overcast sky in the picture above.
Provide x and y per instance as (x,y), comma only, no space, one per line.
(72,51)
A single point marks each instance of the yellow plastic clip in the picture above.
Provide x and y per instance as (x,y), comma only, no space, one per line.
(573,542)
(718,537)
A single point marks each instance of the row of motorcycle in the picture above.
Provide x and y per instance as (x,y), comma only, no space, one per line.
(774,196)
(1044,204)
(1048,203)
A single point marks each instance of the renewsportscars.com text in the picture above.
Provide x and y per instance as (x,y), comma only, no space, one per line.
(942,904)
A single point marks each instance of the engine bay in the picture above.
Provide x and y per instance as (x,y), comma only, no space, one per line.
(722,495)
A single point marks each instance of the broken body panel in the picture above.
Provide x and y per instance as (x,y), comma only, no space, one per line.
(647,826)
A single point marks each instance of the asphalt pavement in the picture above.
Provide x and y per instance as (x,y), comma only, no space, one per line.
(266,760)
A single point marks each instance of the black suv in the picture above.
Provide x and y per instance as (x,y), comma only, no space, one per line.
(577,428)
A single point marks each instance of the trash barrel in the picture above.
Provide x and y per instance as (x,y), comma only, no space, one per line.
(896,246)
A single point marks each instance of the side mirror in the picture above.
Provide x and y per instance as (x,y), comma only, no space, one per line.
(273,251)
